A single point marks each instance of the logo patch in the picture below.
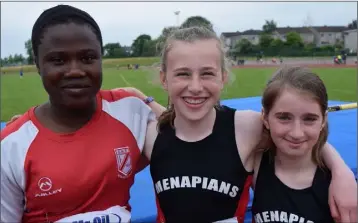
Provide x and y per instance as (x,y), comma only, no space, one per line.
(124,162)
(45,184)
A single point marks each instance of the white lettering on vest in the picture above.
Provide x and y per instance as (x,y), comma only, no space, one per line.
(196,182)
(279,216)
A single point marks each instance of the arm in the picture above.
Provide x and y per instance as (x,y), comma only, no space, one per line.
(12,196)
(157,108)
(248,133)
(343,189)
(334,161)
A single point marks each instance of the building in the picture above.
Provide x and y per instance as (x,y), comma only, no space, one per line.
(319,35)
(350,40)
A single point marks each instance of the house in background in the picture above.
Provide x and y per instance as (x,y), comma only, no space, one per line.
(350,40)
(319,35)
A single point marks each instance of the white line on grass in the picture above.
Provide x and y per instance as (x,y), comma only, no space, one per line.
(125,81)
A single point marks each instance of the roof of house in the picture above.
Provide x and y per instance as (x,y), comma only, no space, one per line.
(351,31)
(284,30)
(251,32)
(230,34)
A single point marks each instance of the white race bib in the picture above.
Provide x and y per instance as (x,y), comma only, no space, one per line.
(116,214)
(230,220)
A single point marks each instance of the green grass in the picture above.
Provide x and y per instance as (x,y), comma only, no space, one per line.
(18,95)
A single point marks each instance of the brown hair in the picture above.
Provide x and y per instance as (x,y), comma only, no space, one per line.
(302,79)
(190,34)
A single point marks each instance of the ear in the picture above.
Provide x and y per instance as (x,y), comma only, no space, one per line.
(225,77)
(325,119)
(163,80)
(37,65)
(264,118)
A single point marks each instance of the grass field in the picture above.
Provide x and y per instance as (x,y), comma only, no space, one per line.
(17,95)
(142,61)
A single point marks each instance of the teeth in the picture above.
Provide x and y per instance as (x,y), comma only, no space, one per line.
(194,101)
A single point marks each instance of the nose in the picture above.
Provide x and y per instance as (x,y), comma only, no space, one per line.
(195,85)
(296,131)
(75,70)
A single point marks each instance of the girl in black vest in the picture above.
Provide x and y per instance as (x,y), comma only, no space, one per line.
(291,180)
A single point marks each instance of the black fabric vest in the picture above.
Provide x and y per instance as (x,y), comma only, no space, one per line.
(203,181)
(276,202)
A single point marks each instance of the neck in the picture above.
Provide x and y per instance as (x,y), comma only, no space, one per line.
(294,164)
(192,131)
(69,120)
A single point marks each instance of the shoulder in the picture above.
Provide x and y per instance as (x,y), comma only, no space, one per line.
(248,134)
(117,102)
(21,128)
(115,94)
(129,110)
(150,139)
(248,123)
(16,140)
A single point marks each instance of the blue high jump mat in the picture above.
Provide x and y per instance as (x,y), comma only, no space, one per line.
(342,135)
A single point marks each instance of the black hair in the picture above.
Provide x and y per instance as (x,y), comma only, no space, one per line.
(62,14)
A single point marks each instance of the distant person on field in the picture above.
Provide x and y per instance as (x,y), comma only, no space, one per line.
(21,72)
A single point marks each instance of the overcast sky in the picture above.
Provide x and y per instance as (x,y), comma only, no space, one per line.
(123,21)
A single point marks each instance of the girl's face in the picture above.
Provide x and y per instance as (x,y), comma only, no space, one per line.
(295,122)
(194,77)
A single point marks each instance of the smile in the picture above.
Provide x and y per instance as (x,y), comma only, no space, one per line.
(75,86)
(194,101)
(295,143)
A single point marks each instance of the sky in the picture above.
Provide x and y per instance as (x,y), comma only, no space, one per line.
(123,21)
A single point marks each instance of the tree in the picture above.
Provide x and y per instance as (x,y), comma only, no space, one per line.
(149,48)
(353,24)
(293,39)
(265,40)
(276,46)
(269,27)
(114,50)
(30,56)
(244,46)
(138,44)
(197,21)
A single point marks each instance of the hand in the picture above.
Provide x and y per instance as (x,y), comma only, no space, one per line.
(135,92)
(343,196)
(13,119)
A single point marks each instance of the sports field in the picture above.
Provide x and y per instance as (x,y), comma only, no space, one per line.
(17,95)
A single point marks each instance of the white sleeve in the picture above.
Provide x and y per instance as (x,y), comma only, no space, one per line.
(12,195)
(133,113)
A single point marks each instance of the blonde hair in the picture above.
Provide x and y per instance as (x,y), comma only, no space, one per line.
(306,81)
(190,34)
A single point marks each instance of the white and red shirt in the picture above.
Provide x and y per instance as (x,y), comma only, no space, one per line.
(83,176)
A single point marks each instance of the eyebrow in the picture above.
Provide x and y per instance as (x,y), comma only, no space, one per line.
(288,113)
(181,69)
(201,69)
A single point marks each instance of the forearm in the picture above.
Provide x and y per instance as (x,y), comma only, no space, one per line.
(333,160)
(157,108)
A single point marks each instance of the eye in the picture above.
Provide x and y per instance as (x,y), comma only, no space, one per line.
(283,117)
(310,119)
(182,74)
(57,61)
(88,59)
(208,73)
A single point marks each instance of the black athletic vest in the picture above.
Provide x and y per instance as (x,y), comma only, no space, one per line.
(203,181)
(276,202)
